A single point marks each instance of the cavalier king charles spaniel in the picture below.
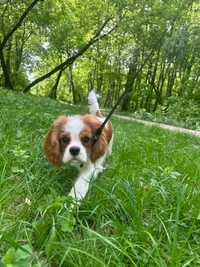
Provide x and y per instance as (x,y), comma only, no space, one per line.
(70,140)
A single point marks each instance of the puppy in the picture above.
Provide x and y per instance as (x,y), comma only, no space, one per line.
(70,141)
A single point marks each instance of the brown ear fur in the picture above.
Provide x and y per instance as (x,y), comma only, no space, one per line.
(51,144)
(99,148)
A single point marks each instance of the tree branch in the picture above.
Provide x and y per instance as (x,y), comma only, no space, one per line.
(97,36)
(18,24)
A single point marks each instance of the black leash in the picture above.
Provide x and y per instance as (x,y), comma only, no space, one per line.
(100,129)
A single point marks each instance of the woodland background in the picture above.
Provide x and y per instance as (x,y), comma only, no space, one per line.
(62,49)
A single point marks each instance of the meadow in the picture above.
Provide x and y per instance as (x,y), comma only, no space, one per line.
(144,210)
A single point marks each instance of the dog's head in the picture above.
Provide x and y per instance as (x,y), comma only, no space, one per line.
(69,140)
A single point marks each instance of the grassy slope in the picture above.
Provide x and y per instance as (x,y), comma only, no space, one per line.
(144,210)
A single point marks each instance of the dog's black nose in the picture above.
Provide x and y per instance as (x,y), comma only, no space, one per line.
(74,150)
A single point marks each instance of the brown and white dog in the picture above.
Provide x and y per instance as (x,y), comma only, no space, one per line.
(69,140)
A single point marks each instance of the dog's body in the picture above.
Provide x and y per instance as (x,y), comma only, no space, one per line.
(69,140)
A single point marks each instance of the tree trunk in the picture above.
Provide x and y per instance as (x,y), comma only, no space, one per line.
(109,96)
(72,86)
(185,77)
(171,80)
(8,56)
(7,82)
(132,74)
(90,82)
(53,93)
(129,86)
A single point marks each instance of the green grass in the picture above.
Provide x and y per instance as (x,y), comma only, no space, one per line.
(144,210)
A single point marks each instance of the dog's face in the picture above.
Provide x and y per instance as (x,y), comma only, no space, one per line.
(75,141)
(70,140)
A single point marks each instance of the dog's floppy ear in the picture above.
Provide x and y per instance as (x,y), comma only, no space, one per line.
(99,148)
(52,145)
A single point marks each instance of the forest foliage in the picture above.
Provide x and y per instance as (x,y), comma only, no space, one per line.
(62,49)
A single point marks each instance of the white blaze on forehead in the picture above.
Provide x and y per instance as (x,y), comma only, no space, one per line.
(74,126)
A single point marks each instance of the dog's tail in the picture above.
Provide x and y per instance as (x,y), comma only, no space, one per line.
(93,103)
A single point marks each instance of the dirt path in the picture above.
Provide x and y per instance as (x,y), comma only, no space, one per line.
(160,125)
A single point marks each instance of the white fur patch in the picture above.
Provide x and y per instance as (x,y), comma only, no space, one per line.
(74,126)
(81,185)
(93,102)
(89,171)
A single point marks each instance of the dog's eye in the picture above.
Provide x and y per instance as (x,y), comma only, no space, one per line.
(65,140)
(85,140)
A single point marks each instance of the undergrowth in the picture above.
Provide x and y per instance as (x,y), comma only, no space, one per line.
(181,112)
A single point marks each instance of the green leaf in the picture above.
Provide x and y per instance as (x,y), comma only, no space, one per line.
(10,257)
(17,258)
(51,240)
(23,253)
(67,222)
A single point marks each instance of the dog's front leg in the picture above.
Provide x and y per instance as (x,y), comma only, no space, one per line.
(81,185)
